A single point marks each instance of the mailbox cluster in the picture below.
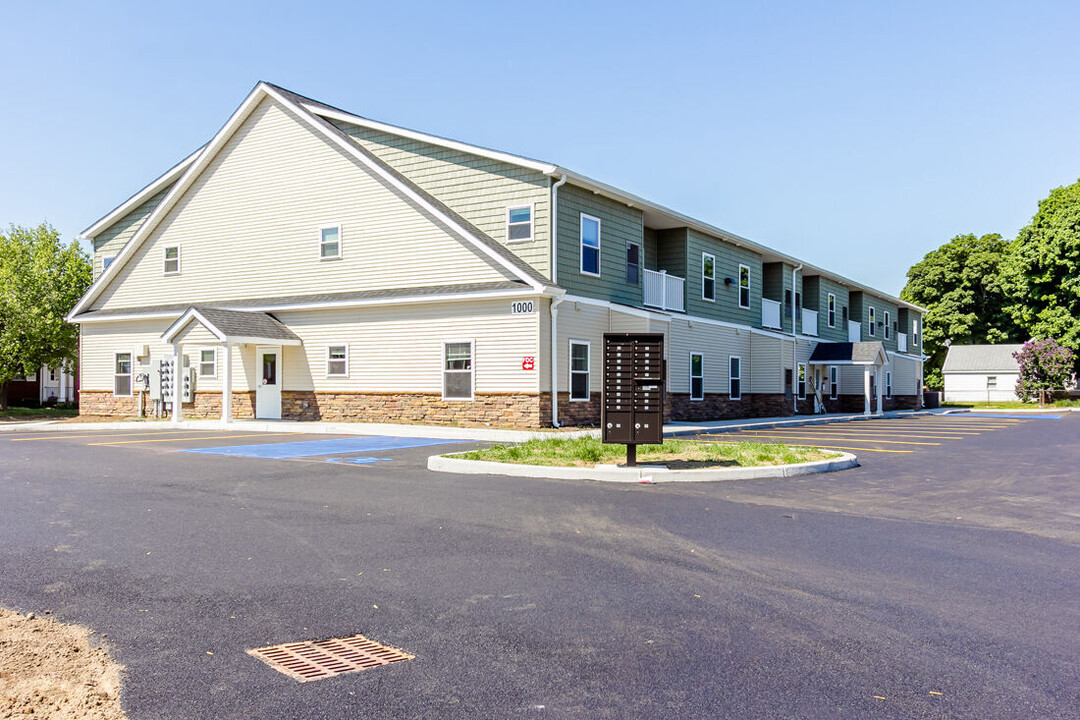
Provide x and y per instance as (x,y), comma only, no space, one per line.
(633,400)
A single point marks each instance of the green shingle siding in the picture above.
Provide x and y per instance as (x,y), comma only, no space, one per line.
(728,258)
(477,188)
(826,333)
(671,251)
(619,224)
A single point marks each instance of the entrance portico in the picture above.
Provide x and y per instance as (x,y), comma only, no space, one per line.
(870,356)
(233,328)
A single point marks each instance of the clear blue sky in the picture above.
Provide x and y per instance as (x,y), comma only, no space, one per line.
(857,136)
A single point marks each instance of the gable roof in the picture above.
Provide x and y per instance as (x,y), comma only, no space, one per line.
(235,326)
(982,358)
(450,221)
(848,353)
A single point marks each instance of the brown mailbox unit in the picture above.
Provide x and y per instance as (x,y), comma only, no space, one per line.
(633,390)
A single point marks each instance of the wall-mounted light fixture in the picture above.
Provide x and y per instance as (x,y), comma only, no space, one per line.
(729,281)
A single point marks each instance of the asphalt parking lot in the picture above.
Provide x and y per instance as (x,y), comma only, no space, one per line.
(931,584)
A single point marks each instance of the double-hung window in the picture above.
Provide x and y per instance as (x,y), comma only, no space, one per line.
(887,324)
(915,332)
(735,377)
(519,223)
(834,382)
(337,361)
(744,286)
(208,363)
(122,375)
(708,277)
(888,383)
(872,331)
(801,381)
(633,263)
(697,376)
(590,245)
(172,260)
(832,310)
(330,243)
(458,370)
(991,382)
(579,370)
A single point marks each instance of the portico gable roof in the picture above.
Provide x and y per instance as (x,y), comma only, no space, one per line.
(234,326)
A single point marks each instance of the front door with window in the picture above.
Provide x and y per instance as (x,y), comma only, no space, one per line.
(268,383)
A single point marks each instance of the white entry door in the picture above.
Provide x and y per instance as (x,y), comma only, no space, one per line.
(268,389)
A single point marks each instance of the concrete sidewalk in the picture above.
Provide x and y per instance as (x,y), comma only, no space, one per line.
(465,434)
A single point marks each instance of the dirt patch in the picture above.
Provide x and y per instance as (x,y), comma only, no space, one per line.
(50,670)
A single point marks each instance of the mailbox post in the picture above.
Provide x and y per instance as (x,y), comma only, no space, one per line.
(633,401)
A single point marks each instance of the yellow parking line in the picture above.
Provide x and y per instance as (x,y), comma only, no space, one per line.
(838,437)
(886,433)
(824,447)
(111,434)
(212,437)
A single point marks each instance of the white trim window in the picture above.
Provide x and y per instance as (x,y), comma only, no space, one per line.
(708,277)
(579,371)
(122,374)
(734,377)
(915,332)
(888,320)
(832,310)
(801,380)
(872,317)
(171,260)
(991,382)
(457,370)
(834,382)
(744,286)
(633,263)
(697,376)
(888,384)
(337,360)
(590,245)
(519,223)
(330,242)
(208,363)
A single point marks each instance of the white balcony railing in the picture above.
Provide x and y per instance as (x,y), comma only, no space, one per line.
(770,313)
(854,331)
(664,291)
(901,342)
(809,322)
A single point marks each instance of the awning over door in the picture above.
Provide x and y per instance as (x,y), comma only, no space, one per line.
(236,327)
(849,353)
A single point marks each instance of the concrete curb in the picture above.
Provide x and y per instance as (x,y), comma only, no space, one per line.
(642,474)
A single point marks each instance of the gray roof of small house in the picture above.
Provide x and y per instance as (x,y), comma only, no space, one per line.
(859,353)
(245,323)
(982,358)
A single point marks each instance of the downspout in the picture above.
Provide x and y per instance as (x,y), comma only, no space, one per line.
(795,345)
(553,238)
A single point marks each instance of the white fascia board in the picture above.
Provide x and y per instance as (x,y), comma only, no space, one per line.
(351,149)
(193,170)
(124,318)
(140,197)
(241,340)
(186,319)
(330,114)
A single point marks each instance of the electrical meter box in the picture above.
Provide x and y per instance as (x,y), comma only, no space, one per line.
(633,401)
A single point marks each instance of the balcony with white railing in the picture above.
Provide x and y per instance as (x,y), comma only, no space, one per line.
(667,292)
(809,322)
(770,313)
(854,331)
(901,342)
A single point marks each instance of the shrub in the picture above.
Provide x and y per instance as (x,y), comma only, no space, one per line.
(1044,365)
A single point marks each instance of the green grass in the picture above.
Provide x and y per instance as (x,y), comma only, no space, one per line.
(585,451)
(21,413)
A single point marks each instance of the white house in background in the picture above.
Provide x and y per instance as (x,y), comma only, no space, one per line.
(981,373)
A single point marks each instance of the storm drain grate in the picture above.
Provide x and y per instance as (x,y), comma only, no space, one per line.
(318,659)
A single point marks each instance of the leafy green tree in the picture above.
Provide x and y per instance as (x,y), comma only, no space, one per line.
(1042,272)
(1044,365)
(40,281)
(959,284)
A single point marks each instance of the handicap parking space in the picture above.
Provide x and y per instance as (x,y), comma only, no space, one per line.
(903,435)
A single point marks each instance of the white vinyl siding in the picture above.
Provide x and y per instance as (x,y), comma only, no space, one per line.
(270,186)
(337,361)
(579,371)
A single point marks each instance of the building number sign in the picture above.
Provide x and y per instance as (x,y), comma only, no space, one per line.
(522,307)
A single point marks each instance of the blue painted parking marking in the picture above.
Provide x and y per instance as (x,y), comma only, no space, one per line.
(1010,417)
(311,448)
(362,460)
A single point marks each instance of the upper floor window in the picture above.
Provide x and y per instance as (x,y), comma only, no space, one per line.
(872,331)
(887,321)
(519,223)
(107,261)
(832,310)
(590,245)
(915,331)
(330,243)
(208,363)
(633,263)
(337,361)
(708,277)
(172,260)
(744,286)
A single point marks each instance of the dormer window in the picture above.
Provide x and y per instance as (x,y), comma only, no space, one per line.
(519,223)
(330,243)
(172,260)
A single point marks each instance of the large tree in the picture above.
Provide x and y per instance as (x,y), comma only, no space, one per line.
(41,279)
(960,286)
(1042,272)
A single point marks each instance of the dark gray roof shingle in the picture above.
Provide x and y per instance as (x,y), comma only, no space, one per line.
(982,358)
(861,353)
(244,323)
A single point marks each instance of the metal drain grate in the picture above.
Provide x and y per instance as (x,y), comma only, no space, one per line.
(315,660)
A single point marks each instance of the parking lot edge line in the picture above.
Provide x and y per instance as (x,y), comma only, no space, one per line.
(822,447)
(836,437)
(837,431)
(107,433)
(212,437)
